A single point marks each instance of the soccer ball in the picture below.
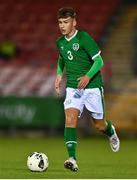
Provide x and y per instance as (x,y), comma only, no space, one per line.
(37,161)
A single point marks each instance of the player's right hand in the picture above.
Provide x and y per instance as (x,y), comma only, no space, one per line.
(57,84)
(83,82)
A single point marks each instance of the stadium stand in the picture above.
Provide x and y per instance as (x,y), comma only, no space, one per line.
(118,50)
(123,108)
(33,26)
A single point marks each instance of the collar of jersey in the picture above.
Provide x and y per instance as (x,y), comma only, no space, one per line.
(68,39)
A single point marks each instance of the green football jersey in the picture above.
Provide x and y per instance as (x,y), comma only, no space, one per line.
(77,54)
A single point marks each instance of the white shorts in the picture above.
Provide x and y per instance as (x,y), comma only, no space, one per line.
(92,99)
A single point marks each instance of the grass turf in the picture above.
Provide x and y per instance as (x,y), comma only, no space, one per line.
(95,159)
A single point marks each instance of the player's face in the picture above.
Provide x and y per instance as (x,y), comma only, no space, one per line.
(67,26)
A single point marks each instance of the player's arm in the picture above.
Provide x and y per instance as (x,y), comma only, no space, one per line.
(90,46)
(97,65)
(60,68)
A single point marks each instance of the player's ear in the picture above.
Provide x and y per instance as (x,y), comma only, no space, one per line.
(74,22)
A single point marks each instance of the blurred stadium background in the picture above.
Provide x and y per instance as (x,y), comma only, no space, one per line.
(27,96)
(28,103)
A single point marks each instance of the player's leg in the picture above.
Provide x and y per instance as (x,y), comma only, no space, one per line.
(108,129)
(95,104)
(70,136)
(73,107)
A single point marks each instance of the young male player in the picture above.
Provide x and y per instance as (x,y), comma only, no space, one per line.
(80,56)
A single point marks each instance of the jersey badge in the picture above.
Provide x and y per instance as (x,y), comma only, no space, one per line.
(75,46)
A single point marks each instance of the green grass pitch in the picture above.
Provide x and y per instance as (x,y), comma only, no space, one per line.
(95,159)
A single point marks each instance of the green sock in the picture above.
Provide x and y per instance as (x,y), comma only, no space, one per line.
(109,130)
(70,137)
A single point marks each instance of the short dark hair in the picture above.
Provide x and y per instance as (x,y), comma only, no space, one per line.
(65,12)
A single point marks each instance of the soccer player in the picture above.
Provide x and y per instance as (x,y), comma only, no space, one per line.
(80,56)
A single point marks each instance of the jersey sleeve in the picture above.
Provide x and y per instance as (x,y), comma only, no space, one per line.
(60,64)
(90,45)
(97,65)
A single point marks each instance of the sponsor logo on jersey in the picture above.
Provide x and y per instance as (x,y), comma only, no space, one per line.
(75,46)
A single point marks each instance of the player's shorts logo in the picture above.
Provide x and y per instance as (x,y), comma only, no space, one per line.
(75,46)
(78,93)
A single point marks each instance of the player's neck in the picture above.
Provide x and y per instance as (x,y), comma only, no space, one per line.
(71,34)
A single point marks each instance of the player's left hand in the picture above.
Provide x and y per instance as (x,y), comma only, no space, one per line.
(83,81)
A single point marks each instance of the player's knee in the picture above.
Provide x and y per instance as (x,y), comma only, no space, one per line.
(70,121)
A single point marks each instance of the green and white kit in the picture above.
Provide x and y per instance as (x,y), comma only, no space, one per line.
(79,55)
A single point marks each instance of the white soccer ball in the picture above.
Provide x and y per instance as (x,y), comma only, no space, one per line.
(37,161)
